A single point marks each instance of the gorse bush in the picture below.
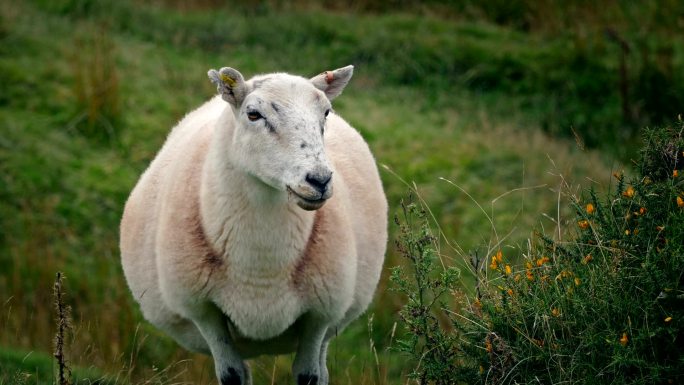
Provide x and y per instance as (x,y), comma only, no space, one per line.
(426,339)
(606,307)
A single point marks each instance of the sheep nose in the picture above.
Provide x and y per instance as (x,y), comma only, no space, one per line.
(319,179)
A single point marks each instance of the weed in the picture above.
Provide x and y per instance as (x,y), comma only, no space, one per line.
(63,327)
(426,339)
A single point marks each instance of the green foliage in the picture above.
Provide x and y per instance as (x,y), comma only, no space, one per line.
(425,292)
(604,307)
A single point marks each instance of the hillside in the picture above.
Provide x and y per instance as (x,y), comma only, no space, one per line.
(514,116)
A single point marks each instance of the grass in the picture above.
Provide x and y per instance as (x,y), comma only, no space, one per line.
(90,90)
(32,367)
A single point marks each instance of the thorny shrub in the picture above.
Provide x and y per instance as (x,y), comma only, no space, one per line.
(606,307)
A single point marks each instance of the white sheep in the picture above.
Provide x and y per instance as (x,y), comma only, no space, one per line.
(233,242)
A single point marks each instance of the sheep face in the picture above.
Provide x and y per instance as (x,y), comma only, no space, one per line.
(279,132)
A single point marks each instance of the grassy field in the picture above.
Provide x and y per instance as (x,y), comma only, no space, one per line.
(496,121)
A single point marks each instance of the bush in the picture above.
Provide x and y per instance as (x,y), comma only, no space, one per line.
(606,307)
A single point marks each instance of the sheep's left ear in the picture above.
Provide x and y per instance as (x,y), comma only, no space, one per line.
(230,84)
(333,82)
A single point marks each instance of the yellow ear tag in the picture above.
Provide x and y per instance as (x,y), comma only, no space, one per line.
(227,79)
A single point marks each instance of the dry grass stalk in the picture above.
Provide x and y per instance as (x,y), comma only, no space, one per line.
(63,325)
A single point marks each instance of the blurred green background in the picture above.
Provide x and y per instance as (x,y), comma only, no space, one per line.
(517,103)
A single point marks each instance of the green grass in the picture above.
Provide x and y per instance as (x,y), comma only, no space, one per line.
(18,367)
(90,90)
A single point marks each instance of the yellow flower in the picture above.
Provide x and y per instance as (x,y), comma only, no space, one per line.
(629,193)
(555,312)
(590,208)
(627,232)
(542,260)
(642,210)
(477,303)
(563,274)
(668,319)
(510,292)
(587,259)
(680,202)
(493,265)
(624,339)
(577,281)
(499,256)
(507,270)
(675,173)
(528,271)
(583,224)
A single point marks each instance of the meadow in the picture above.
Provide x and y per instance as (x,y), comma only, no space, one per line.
(496,115)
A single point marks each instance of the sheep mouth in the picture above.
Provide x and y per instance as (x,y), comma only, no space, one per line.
(307,203)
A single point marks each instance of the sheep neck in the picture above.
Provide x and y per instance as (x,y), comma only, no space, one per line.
(250,225)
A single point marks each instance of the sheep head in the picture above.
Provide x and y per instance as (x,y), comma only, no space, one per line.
(279,129)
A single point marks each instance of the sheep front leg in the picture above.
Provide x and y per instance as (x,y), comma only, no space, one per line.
(229,367)
(323,362)
(308,368)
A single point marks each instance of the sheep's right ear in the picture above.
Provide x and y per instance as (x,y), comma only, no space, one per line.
(230,84)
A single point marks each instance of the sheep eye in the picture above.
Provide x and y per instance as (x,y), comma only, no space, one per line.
(254,116)
(326,113)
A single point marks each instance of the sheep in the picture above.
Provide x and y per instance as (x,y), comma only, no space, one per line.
(260,227)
